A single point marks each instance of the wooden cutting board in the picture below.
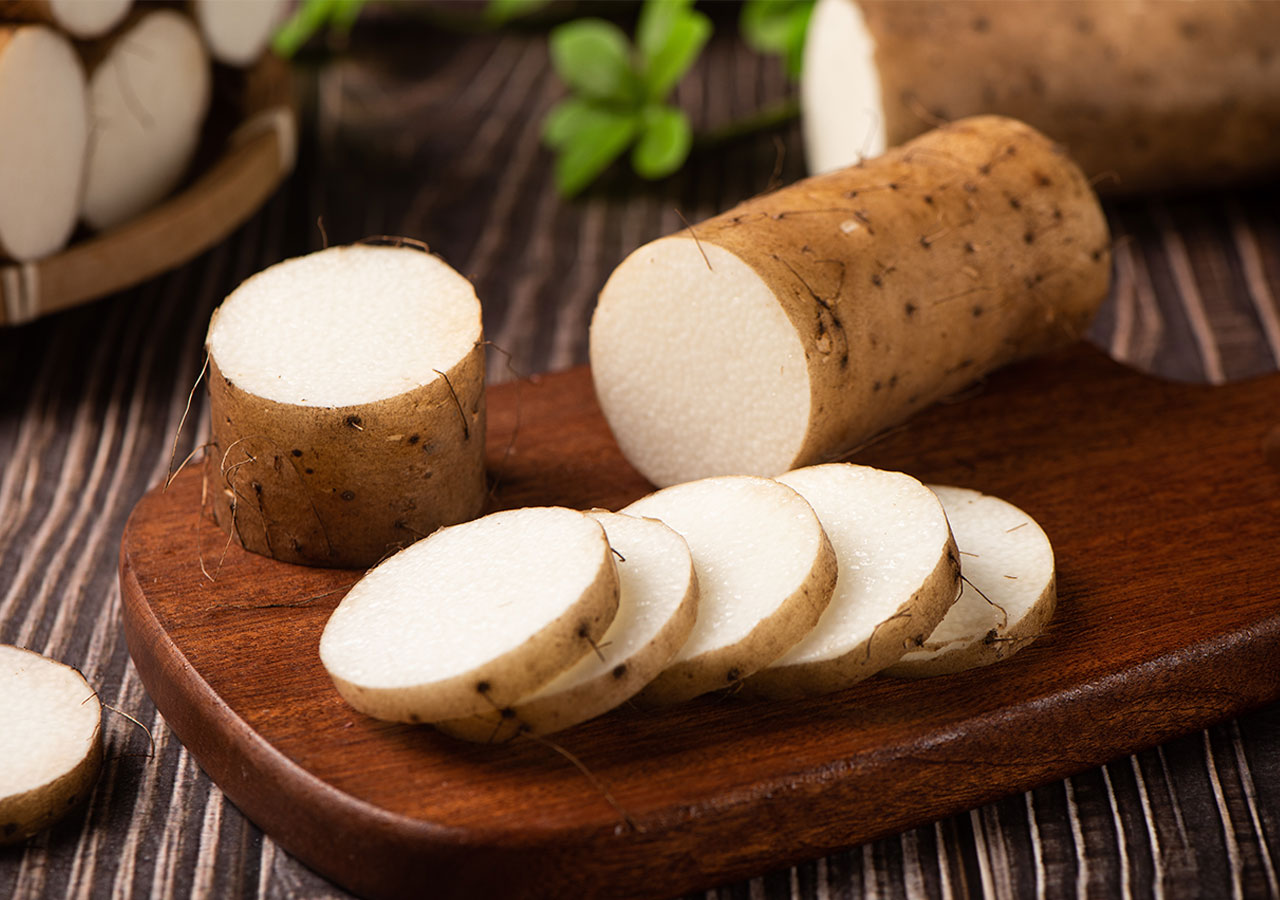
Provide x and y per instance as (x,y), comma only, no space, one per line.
(1163,503)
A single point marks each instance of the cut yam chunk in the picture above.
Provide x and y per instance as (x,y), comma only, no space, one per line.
(840,73)
(1010,588)
(474,617)
(657,606)
(44,130)
(238,32)
(765,573)
(149,92)
(899,574)
(791,329)
(82,19)
(51,744)
(347,402)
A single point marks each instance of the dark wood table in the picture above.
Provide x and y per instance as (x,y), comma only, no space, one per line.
(427,134)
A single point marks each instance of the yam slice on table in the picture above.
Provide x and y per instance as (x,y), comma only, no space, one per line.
(899,574)
(347,405)
(237,32)
(657,607)
(474,617)
(51,742)
(81,19)
(44,130)
(765,573)
(1010,587)
(149,90)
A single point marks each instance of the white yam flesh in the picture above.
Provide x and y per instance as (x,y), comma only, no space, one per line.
(473,617)
(765,573)
(899,574)
(51,743)
(840,73)
(724,326)
(148,98)
(44,130)
(1010,587)
(238,31)
(345,326)
(87,19)
(657,608)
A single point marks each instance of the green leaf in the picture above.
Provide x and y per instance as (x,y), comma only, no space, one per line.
(307,19)
(570,116)
(593,57)
(688,34)
(653,29)
(664,145)
(591,148)
(499,12)
(344,15)
(777,27)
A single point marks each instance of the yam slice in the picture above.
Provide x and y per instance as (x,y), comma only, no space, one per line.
(840,73)
(1010,588)
(51,744)
(474,617)
(148,95)
(899,574)
(44,131)
(237,32)
(81,19)
(657,607)
(347,402)
(765,573)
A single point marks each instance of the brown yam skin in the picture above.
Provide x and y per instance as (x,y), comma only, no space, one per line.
(909,276)
(27,814)
(344,487)
(1151,94)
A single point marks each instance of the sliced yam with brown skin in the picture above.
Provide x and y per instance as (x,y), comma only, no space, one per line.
(44,129)
(899,574)
(657,607)
(792,328)
(474,617)
(51,743)
(765,573)
(1145,94)
(237,32)
(1010,588)
(149,90)
(82,19)
(347,405)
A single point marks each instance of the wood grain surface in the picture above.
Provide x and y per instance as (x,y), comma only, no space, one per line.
(1153,638)
(429,134)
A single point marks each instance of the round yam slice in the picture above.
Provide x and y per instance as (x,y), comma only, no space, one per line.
(44,130)
(765,573)
(81,19)
(347,401)
(474,617)
(238,32)
(1010,588)
(51,743)
(657,607)
(899,574)
(789,330)
(148,93)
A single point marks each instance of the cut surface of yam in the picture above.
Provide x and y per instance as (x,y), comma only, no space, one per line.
(765,573)
(347,404)
(44,129)
(792,328)
(840,74)
(148,98)
(657,607)
(51,743)
(473,617)
(1010,587)
(81,19)
(899,574)
(237,31)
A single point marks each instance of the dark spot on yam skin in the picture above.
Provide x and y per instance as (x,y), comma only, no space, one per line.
(925,242)
(1189,30)
(415,718)
(893,381)
(977,312)
(348,495)
(1028,237)
(918,640)
(1057,214)
(1084,26)
(228,418)
(981,24)
(893,185)
(1096,255)
(875,386)
(352,421)
(296,453)
(969,248)
(970,187)
(928,198)
(413,439)
(844,361)
(909,309)
(619,670)
(483,687)
(733,674)
(297,547)
(310,471)
(1015,203)
(877,280)
(984,169)
(507,713)
(257,488)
